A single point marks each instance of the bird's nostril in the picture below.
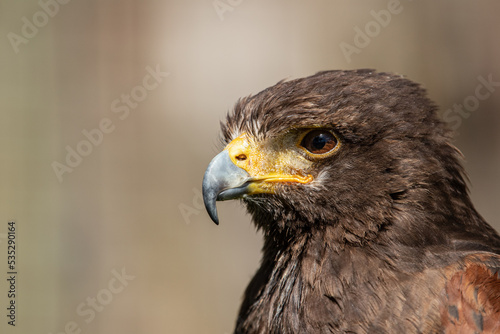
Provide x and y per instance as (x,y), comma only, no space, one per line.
(241,157)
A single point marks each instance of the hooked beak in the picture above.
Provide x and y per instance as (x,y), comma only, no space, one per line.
(222,181)
(242,169)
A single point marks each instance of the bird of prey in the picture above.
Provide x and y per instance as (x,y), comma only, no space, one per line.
(367,222)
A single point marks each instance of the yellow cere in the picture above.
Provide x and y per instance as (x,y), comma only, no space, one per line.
(275,161)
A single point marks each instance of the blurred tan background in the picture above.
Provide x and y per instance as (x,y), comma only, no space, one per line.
(131,206)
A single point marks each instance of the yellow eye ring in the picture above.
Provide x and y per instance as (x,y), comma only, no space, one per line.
(319,142)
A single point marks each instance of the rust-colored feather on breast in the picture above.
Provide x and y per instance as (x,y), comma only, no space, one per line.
(473,297)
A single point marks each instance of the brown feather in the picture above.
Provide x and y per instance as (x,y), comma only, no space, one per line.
(473,297)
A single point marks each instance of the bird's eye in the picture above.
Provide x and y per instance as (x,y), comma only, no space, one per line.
(319,141)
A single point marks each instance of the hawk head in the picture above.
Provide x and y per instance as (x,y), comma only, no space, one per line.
(360,151)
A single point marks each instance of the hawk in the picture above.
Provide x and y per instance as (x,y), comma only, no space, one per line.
(367,222)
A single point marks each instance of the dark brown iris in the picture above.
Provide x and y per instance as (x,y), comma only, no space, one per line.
(319,141)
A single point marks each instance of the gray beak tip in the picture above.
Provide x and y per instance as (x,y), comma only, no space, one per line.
(209,198)
(222,181)
(212,211)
